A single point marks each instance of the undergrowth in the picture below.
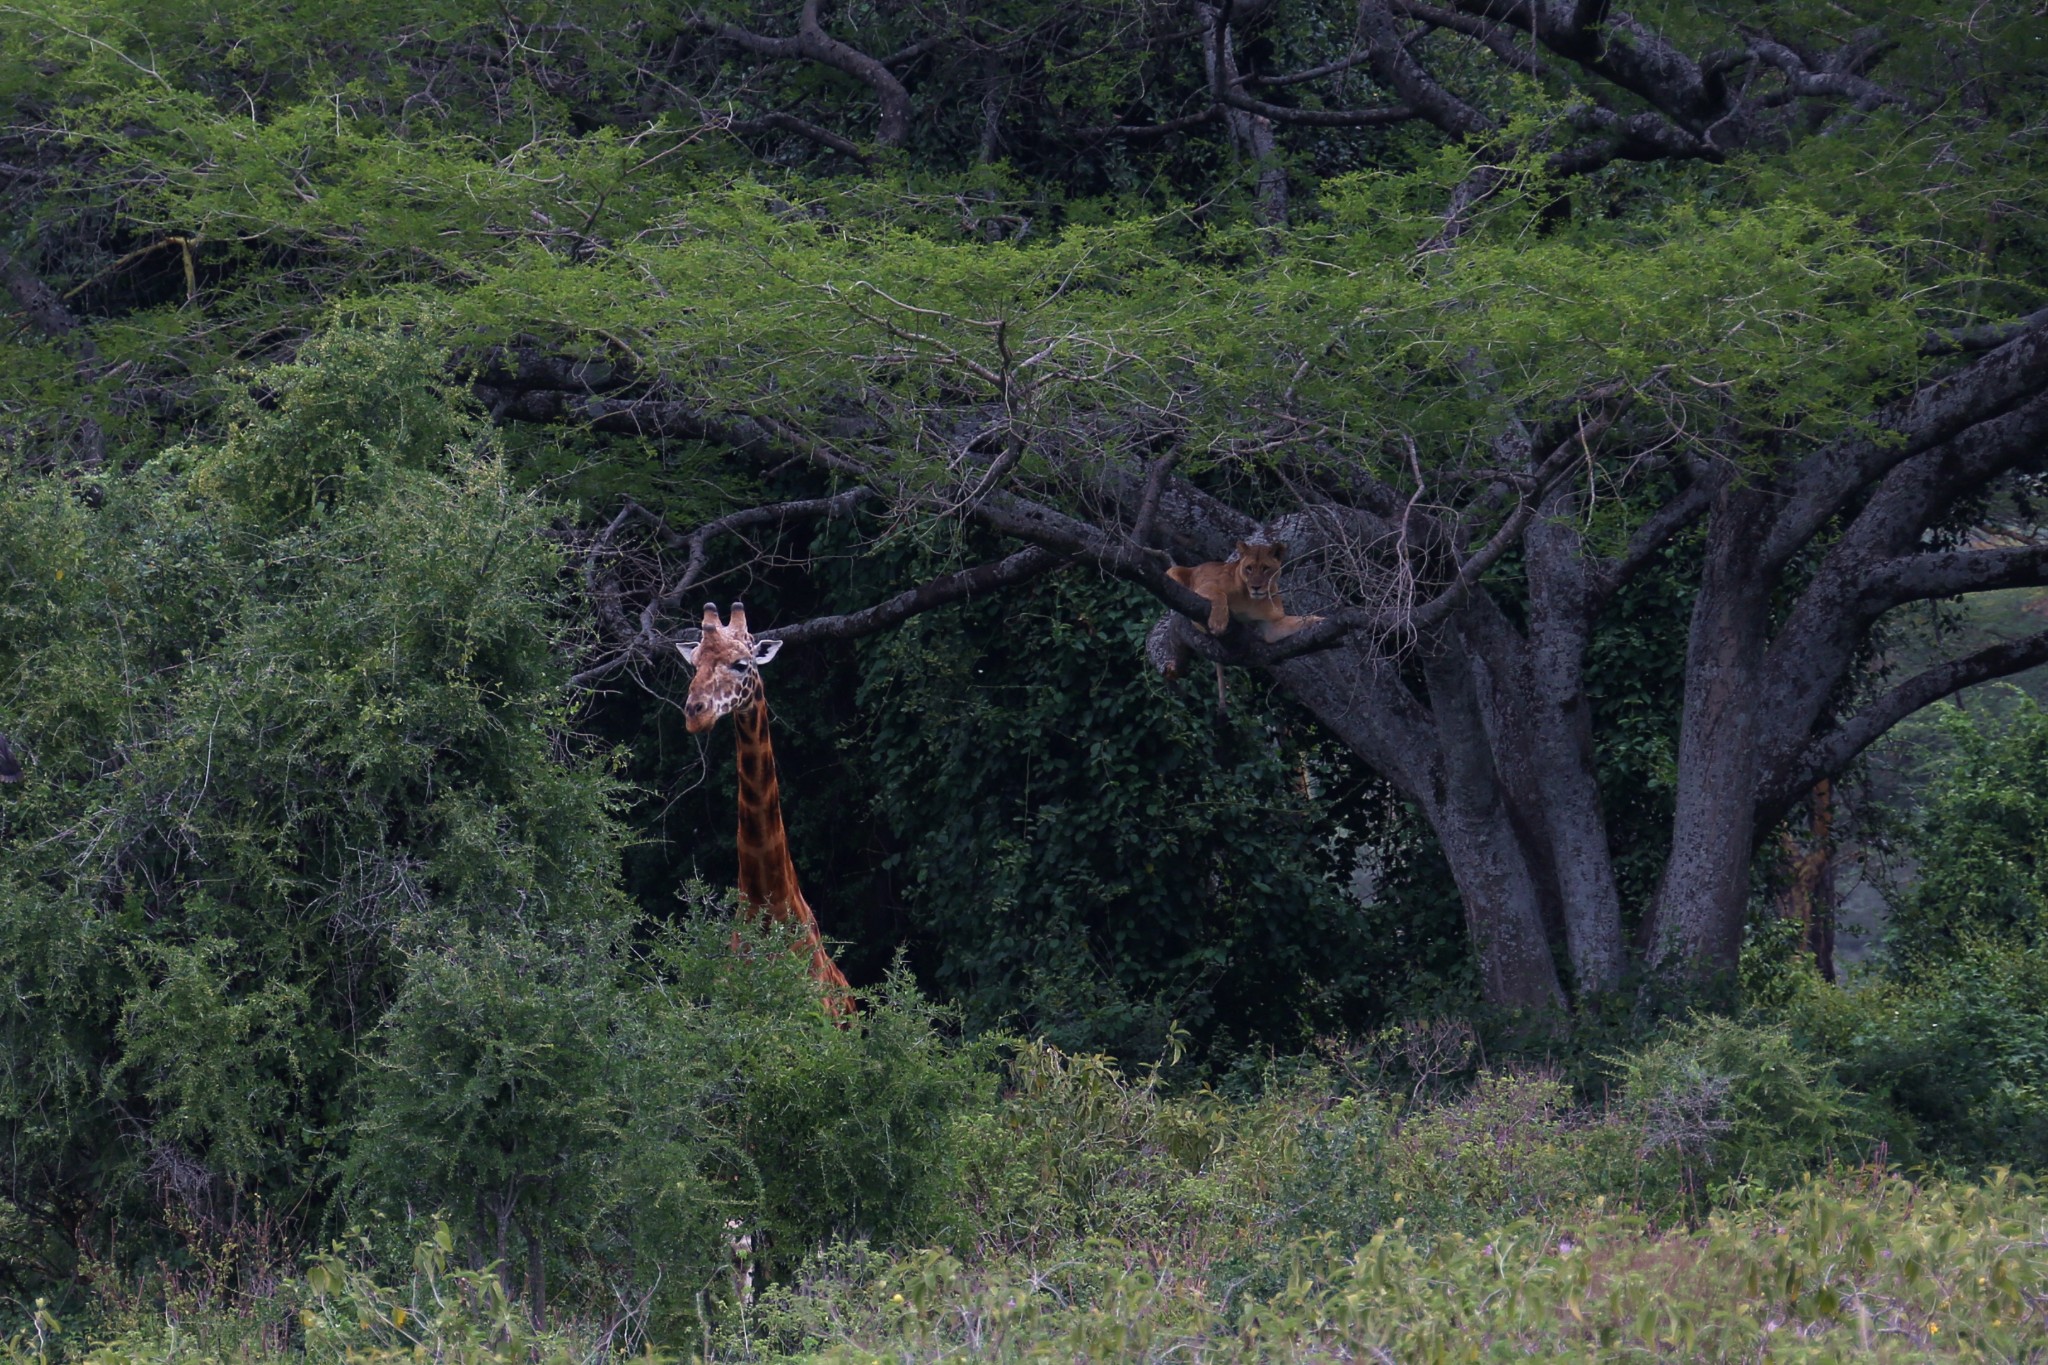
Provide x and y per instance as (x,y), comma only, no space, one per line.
(1726,1200)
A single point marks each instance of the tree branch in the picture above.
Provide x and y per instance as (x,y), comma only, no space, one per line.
(1987,336)
(41,306)
(1691,503)
(790,123)
(656,418)
(812,43)
(1317,118)
(1827,755)
(2010,374)
(1498,40)
(640,642)
(1642,137)
(1951,573)
(1031,562)
(1332,68)
(1801,79)
(1145,132)
(1396,68)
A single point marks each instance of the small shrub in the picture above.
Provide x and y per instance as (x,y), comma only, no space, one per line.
(1720,1104)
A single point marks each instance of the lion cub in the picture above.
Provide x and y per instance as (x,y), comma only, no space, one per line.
(1245,587)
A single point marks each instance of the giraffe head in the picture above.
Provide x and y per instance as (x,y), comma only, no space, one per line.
(726,659)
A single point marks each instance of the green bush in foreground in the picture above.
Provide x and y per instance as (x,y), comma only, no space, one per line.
(1865,1267)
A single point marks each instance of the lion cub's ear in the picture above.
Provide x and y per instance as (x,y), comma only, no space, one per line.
(1279,549)
(1241,551)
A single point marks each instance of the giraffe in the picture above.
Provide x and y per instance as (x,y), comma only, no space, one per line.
(727,662)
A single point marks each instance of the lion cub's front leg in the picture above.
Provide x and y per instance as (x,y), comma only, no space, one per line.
(1219,613)
(1211,581)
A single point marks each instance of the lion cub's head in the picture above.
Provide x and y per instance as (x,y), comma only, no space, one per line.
(1259,568)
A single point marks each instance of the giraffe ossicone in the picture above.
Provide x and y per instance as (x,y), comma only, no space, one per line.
(726,659)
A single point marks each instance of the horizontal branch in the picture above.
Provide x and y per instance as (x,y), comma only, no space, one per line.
(774,514)
(1951,573)
(1497,39)
(790,123)
(1311,73)
(660,419)
(1029,563)
(1987,336)
(1316,118)
(1827,755)
(641,642)
(1642,137)
(1143,132)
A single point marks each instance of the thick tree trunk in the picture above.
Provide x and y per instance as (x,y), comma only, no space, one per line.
(1696,925)
(1503,907)
(1447,768)
(1565,763)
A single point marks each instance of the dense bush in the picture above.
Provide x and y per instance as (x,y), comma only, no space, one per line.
(310,912)
(1954,1059)
(274,730)
(612,1114)
(1094,856)
(1978,840)
(1947,1037)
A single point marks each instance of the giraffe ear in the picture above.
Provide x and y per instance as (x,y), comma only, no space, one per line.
(688,649)
(764,650)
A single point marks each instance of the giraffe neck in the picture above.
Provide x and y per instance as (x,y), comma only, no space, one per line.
(767,877)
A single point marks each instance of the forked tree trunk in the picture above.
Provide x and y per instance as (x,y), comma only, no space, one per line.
(1696,924)
(1494,872)
(1445,764)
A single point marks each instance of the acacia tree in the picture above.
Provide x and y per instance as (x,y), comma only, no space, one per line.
(1467,484)
(1492,306)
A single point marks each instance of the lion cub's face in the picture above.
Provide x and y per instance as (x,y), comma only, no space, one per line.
(1259,567)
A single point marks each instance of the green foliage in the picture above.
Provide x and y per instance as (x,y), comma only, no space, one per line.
(1104,1218)
(1948,1035)
(1093,855)
(610,1115)
(521,1083)
(336,425)
(261,752)
(1957,1054)
(841,1132)
(312,901)
(1978,841)
(1724,1104)
(1850,1272)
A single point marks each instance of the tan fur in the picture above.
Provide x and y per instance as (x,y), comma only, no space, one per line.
(1244,588)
